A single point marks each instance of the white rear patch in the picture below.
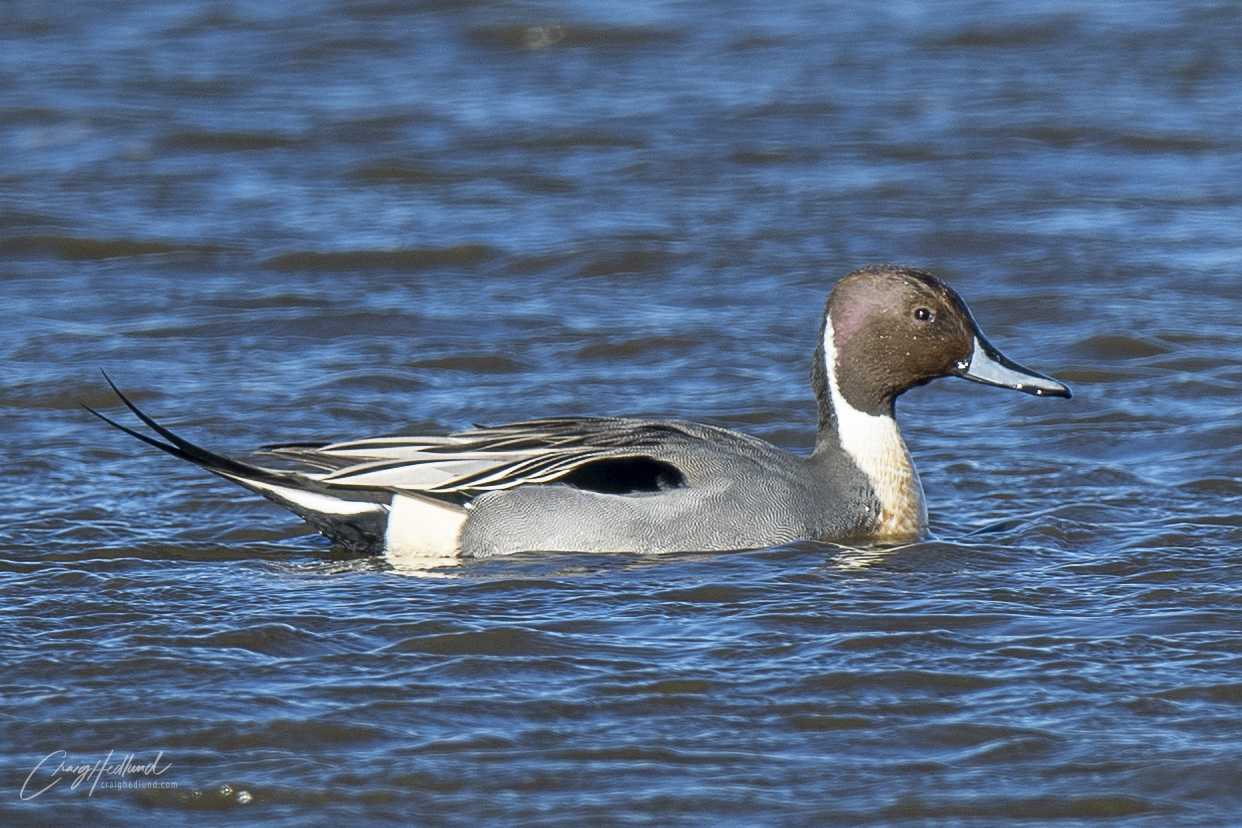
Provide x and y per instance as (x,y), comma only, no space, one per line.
(875,445)
(422,532)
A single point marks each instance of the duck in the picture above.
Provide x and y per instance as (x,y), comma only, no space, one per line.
(639,485)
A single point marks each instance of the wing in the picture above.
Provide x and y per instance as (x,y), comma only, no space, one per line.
(615,455)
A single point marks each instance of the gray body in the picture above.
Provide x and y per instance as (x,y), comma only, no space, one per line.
(739,492)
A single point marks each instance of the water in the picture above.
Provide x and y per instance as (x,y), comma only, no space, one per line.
(287,221)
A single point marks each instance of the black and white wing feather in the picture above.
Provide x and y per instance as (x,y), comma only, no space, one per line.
(609,454)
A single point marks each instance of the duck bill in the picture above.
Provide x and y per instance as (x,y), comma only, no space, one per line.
(990,367)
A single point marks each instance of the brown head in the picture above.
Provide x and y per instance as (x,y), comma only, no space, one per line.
(888,328)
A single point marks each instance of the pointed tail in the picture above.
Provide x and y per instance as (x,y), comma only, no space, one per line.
(356,521)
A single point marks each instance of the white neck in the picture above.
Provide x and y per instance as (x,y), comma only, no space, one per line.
(875,445)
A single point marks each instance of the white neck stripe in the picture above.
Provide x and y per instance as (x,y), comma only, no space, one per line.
(875,445)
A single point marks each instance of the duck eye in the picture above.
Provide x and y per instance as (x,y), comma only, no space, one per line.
(924,315)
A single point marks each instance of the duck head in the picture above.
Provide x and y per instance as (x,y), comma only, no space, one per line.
(888,328)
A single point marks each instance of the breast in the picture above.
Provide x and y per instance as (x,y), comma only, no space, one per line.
(901,511)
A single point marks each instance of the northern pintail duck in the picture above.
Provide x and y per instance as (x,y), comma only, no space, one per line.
(610,484)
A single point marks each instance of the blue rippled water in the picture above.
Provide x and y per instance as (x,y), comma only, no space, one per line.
(287,221)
